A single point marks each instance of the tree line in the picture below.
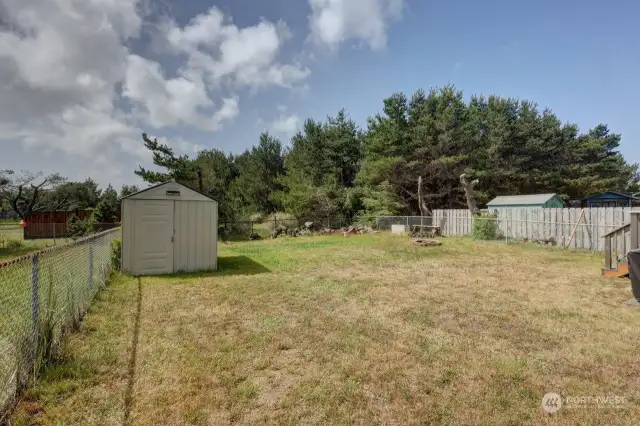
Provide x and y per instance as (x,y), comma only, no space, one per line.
(335,169)
(24,193)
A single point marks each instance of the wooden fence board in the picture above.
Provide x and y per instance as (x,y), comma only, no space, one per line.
(537,224)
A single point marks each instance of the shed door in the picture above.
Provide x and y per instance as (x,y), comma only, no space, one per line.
(153,240)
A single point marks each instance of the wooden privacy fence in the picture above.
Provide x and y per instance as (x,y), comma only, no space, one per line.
(543,224)
(54,224)
(62,216)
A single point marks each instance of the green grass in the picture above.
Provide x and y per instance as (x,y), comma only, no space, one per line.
(361,330)
(64,292)
(11,231)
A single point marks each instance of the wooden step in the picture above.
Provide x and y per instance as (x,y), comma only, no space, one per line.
(621,271)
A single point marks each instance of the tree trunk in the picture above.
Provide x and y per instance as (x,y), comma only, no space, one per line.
(470,193)
(424,210)
(200,184)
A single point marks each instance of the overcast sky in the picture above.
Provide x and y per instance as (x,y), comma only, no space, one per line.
(80,80)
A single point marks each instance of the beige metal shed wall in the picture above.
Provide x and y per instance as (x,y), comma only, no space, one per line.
(196,236)
(128,208)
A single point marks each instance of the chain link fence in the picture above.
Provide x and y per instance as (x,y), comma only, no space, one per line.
(44,295)
(384,223)
(264,228)
(42,231)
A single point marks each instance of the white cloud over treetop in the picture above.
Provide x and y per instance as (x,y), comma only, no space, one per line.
(333,22)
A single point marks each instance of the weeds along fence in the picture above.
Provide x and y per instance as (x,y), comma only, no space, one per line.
(242,229)
(43,296)
(588,226)
(9,232)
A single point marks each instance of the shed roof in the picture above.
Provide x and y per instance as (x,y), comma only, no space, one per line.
(504,200)
(171,183)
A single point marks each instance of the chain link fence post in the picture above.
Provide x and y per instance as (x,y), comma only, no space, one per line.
(34,307)
(91,267)
(43,294)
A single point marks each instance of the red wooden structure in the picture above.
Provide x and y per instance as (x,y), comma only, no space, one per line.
(54,224)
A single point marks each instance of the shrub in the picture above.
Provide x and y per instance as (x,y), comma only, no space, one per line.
(485,227)
(366,221)
(77,227)
(256,217)
(116,253)
(279,216)
(277,220)
(14,244)
(234,230)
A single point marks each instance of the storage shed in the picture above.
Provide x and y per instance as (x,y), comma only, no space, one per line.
(609,199)
(169,228)
(548,201)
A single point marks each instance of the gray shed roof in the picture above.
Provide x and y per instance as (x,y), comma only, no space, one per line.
(504,200)
(172,183)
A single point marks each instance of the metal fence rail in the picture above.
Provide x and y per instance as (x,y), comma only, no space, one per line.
(44,231)
(42,296)
(264,228)
(385,222)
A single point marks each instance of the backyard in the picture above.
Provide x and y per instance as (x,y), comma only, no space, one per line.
(360,330)
(12,243)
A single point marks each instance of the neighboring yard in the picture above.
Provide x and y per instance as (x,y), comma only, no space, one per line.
(10,233)
(365,330)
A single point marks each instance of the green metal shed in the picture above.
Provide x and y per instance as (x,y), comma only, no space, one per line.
(548,201)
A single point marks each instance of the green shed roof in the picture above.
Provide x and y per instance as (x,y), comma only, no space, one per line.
(510,200)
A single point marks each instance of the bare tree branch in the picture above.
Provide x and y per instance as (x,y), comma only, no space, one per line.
(25,192)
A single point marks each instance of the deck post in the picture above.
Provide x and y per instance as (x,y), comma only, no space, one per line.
(607,252)
(635,229)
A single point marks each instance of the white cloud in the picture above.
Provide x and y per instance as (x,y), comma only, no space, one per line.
(333,22)
(181,145)
(68,77)
(285,125)
(168,102)
(59,63)
(242,57)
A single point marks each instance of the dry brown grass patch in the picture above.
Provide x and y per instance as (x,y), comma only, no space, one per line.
(371,330)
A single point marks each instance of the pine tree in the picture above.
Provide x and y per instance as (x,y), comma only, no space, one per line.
(107,209)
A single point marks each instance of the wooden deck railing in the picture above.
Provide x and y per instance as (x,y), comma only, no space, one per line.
(618,242)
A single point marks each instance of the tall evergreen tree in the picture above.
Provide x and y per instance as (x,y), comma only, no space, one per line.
(333,168)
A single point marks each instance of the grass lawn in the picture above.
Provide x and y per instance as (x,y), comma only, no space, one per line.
(10,231)
(365,330)
(30,246)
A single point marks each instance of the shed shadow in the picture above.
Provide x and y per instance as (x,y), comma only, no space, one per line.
(228,266)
